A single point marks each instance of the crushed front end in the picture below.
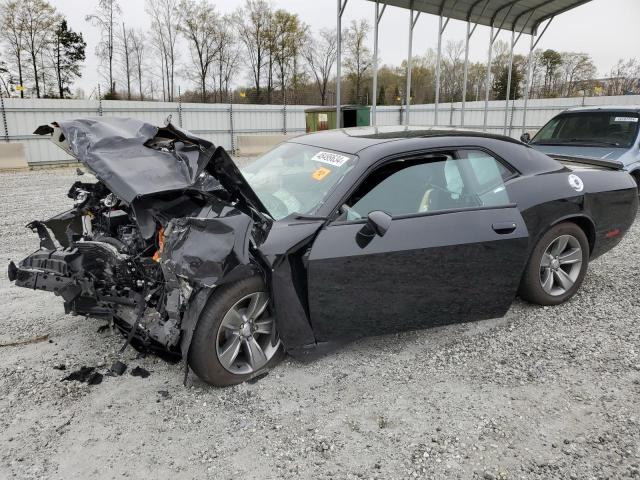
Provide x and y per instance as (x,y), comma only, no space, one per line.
(167,219)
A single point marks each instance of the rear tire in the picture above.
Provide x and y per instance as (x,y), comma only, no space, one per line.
(557,265)
(216,334)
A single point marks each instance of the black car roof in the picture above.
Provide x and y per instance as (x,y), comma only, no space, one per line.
(353,140)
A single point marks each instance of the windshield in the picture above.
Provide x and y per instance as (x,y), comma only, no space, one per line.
(608,129)
(295,178)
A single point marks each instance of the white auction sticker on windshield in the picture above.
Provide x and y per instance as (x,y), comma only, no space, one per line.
(626,119)
(330,158)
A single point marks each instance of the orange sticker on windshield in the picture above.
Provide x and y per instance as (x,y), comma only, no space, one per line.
(320,173)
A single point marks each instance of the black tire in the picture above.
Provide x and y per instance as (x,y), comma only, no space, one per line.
(531,288)
(636,176)
(203,358)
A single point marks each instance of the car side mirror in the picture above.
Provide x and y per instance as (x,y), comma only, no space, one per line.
(378,222)
(525,137)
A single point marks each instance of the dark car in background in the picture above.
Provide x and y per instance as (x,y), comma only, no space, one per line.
(324,239)
(607,133)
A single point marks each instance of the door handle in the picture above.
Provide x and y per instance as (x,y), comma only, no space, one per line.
(503,228)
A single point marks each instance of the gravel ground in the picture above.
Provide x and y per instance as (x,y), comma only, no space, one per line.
(541,393)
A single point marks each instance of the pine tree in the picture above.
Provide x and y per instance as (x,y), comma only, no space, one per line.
(68,54)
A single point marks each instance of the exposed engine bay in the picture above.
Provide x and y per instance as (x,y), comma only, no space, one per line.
(156,227)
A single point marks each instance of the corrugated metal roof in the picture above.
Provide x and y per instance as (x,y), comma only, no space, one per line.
(516,15)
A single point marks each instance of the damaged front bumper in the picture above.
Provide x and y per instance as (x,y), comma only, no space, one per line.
(94,279)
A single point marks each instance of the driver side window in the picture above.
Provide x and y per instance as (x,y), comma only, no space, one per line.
(443,181)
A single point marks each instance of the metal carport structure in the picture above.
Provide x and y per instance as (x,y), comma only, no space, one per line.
(517,16)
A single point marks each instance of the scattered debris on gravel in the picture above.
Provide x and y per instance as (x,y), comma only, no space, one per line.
(140,372)
(542,393)
(86,375)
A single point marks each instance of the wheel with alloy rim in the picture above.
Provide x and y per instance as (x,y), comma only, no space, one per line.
(235,338)
(560,265)
(244,341)
(557,265)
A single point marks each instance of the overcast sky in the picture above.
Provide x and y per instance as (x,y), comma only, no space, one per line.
(605,29)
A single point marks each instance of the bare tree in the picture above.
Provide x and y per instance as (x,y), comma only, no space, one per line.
(5,78)
(165,17)
(320,55)
(227,58)
(138,44)
(106,18)
(287,30)
(623,78)
(125,51)
(201,28)
(358,59)
(252,23)
(453,70)
(12,33)
(40,20)
(576,68)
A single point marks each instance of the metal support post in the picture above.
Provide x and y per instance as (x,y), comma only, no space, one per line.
(465,76)
(514,41)
(438,60)
(4,118)
(470,32)
(341,5)
(492,39)
(179,107)
(233,141)
(487,81)
(376,24)
(528,80)
(284,113)
(99,102)
(506,105)
(412,23)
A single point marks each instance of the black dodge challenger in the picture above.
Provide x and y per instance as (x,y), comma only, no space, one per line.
(326,238)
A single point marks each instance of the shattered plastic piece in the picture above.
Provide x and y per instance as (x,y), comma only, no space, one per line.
(81,375)
(103,328)
(118,368)
(94,379)
(257,378)
(140,372)
(163,393)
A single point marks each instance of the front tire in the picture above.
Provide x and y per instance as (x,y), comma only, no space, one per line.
(557,265)
(235,338)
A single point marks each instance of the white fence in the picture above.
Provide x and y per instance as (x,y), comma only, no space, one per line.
(539,111)
(222,123)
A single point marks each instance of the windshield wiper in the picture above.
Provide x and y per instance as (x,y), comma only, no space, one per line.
(577,142)
(597,142)
(299,216)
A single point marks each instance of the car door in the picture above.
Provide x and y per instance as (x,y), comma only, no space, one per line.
(454,251)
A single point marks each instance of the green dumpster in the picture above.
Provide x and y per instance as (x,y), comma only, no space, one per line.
(324,118)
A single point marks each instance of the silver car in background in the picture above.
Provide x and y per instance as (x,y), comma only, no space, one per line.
(607,133)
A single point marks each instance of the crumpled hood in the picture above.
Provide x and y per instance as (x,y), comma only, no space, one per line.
(114,150)
(602,153)
(135,159)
